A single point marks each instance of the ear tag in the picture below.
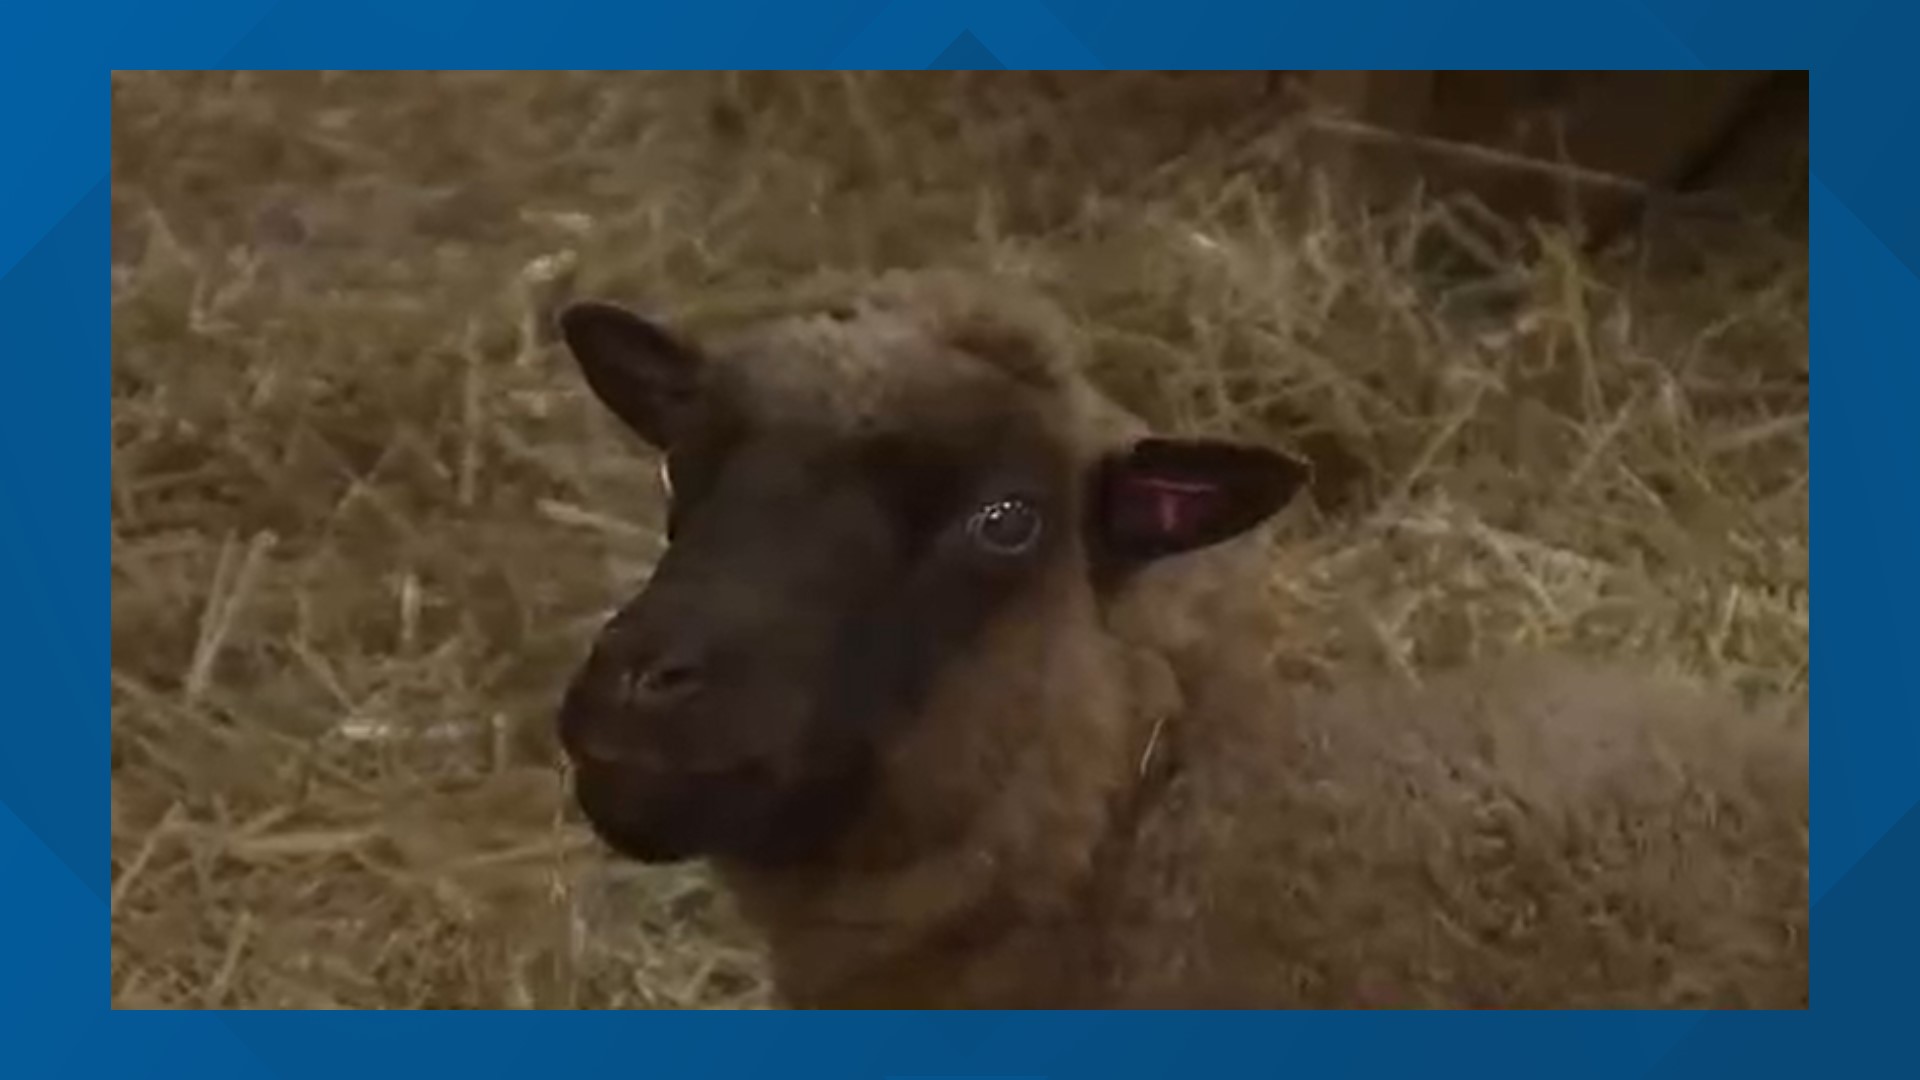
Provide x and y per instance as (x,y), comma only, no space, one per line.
(1179,507)
(1168,496)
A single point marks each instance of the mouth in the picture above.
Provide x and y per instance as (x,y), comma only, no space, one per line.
(742,813)
(667,817)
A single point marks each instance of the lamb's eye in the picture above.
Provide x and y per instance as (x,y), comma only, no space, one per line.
(1005,526)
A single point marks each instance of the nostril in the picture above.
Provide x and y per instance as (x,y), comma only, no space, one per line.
(670,678)
(659,682)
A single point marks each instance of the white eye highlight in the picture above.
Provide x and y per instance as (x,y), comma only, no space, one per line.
(1005,527)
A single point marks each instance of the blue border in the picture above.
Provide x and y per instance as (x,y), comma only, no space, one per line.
(53,336)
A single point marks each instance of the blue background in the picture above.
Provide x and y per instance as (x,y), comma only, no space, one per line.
(54,448)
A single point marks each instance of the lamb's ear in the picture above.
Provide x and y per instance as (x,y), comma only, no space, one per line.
(639,370)
(1169,496)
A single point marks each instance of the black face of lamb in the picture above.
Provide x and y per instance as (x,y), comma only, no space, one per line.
(734,707)
(815,583)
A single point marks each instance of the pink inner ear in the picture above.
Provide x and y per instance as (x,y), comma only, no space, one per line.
(1177,504)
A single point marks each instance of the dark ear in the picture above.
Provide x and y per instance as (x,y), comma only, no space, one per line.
(646,376)
(1170,496)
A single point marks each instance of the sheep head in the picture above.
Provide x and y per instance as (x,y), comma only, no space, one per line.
(856,500)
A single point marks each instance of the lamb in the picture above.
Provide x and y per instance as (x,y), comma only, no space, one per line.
(936,674)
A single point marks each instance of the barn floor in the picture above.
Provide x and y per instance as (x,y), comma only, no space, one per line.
(364,516)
